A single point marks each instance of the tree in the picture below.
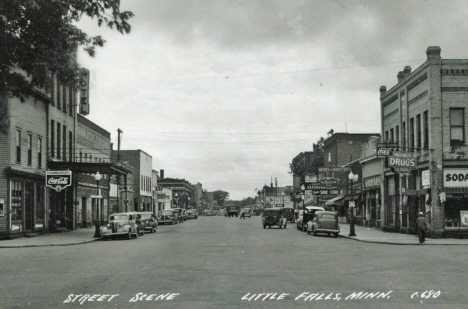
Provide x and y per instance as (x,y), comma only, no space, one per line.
(220,197)
(302,165)
(38,40)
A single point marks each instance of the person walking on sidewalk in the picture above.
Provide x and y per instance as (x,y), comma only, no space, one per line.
(421,226)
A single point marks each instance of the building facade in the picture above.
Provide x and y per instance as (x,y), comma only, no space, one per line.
(182,191)
(425,113)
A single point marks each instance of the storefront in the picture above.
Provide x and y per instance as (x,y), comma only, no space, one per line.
(371,201)
(92,203)
(27,203)
(456,201)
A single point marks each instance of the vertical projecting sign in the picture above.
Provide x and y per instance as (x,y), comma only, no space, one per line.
(84,92)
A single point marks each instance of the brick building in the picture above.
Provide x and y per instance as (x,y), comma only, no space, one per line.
(425,113)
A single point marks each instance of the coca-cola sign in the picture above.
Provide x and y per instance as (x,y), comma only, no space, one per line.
(58,180)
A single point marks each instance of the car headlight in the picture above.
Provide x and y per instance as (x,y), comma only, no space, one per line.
(109,226)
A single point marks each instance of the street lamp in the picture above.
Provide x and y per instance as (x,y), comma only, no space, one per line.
(97,225)
(282,193)
(352,205)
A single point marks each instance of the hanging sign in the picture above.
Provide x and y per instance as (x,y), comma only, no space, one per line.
(58,180)
(385,149)
(402,162)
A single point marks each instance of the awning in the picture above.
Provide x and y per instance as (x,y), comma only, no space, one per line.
(354,197)
(310,201)
(334,201)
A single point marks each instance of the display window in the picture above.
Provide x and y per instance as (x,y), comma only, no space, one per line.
(17,206)
(453,208)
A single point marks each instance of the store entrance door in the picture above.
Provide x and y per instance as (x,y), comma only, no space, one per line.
(29,206)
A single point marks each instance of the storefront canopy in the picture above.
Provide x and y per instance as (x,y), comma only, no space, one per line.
(334,201)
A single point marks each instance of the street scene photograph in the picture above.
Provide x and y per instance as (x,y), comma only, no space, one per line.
(225,154)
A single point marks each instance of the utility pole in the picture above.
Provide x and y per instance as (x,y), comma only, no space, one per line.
(118,144)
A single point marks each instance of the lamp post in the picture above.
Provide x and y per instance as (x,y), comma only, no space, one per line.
(97,224)
(352,178)
(282,193)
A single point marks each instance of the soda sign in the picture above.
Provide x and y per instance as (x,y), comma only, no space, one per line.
(455,177)
(402,162)
(58,180)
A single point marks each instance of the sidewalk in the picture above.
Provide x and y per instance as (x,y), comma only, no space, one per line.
(373,235)
(67,238)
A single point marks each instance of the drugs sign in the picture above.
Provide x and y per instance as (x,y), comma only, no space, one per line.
(58,180)
(402,162)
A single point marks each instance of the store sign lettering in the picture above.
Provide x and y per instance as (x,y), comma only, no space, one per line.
(402,162)
(455,177)
(58,180)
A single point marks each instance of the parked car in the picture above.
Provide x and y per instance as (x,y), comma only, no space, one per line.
(192,214)
(168,216)
(121,224)
(306,215)
(289,214)
(272,217)
(151,223)
(324,222)
(181,214)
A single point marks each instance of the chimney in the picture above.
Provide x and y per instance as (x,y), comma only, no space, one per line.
(407,70)
(400,76)
(383,90)
(161,174)
(433,53)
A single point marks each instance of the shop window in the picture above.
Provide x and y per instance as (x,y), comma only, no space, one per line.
(39,152)
(16,201)
(392,136)
(29,149)
(18,146)
(457,127)
(52,138)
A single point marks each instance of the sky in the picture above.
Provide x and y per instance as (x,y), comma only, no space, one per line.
(227,93)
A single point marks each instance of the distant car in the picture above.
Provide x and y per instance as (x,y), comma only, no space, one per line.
(181,214)
(121,224)
(306,215)
(151,223)
(247,213)
(192,214)
(168,216)
(272,217)
(324,222)
(289,214)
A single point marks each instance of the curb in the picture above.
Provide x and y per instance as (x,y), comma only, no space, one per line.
(52,245)
(399,244)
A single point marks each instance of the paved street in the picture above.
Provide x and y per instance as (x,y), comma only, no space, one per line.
(214,262)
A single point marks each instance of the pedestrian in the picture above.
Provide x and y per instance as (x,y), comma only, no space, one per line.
(242,215)
(421,226)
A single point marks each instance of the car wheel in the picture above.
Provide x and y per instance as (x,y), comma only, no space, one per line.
(264,226)
(335,234)
(129,234)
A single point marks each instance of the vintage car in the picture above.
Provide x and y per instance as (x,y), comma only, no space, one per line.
(182,215)
(192,214)
(289,214)
(324,222)
(151,223)
(247,212)
(305,215)
(273,216)
(121,224)
(168,216)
